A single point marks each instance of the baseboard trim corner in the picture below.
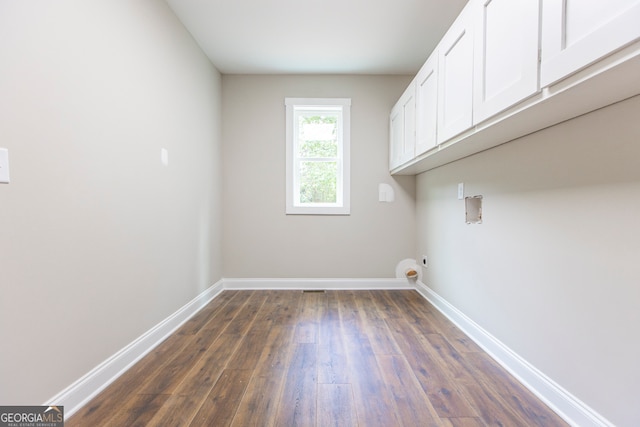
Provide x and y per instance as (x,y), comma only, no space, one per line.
(566,405)
(86,388)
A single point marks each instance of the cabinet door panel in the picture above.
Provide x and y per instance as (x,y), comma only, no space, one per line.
(506,55)
(402,129)
(427,105)
(455,77)
(396,136)
(409,143)
(576,33)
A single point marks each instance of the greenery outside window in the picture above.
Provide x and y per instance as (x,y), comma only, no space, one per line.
(318,155)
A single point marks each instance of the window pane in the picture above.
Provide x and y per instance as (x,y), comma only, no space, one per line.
(317,135)
(318,149)
(318,182)
(318,156)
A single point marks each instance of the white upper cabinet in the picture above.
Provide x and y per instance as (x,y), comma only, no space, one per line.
(402,127)
(576,33)
(427,105)
(507,68)
(455,77)
(506,54)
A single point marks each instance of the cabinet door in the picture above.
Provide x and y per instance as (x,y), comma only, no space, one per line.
(576,33)
(455,77)
(402,128)
(396,135)
(506,54)
(427,105)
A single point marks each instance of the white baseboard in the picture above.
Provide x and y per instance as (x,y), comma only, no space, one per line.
(87,387)
(565,404)
(570,408)
(318,284)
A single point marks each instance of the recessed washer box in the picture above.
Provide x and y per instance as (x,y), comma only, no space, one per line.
(473,207)
(4,166)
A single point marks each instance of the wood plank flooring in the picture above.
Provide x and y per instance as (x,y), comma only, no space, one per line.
(334,358)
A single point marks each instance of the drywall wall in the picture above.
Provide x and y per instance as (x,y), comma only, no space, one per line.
(259,239)
(98,240)
(553,269)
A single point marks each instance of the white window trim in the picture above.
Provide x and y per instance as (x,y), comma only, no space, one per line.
(319,209)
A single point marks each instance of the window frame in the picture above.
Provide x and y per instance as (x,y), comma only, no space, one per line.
(343,206)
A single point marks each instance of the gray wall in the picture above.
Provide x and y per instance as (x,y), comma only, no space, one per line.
(98,241)
(553,271)
(259,239)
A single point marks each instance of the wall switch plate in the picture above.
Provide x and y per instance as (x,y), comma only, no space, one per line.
(461,191)
(4,166)
(164,156)
(385,193)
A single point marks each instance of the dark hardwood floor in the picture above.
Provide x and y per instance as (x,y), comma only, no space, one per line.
(335,358)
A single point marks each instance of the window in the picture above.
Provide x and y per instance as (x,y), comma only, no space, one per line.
(318,155)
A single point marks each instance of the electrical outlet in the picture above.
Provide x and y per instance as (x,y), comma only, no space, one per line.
(461,191)
(424,261)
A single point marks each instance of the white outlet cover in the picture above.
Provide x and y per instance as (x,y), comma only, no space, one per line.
(4,166)
(461,191)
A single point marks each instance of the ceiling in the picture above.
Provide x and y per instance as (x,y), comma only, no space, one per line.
(317,36)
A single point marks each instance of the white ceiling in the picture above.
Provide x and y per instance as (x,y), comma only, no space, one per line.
(317,36)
